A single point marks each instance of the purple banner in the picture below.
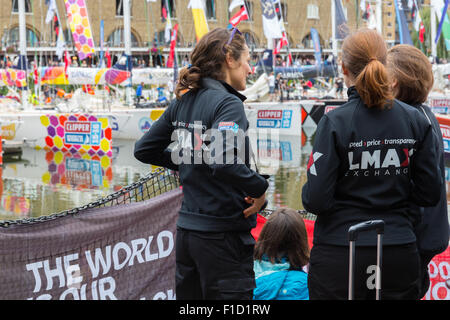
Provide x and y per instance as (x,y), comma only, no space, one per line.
(124,252)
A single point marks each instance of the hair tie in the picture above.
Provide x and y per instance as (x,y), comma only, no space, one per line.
(189,66)
(372,59)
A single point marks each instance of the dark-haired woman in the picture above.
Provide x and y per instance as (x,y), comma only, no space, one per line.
(281,253)
(207,125)
(372,158)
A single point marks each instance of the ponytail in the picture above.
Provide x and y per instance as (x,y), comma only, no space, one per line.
(364,55)
(373,85)
(189,79)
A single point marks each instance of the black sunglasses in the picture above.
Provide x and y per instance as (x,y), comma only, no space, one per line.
(231,38)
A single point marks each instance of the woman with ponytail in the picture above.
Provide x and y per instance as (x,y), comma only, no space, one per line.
(202,135)
(373,158)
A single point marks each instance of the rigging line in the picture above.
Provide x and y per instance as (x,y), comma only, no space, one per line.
(148,33)
(35,53)
(253,33)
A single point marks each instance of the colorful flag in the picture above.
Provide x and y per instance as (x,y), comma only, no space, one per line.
(341,22)
(50,11)
(403,30)
(77,16)
(164,11)
(167,31)
(421,32)
(441,23)
(271,24)
(35,73)
(236,3)
(438,6)
(417,19)
(362,5)
(316,43)
(198,12)
(238,17)
(108,59)
(60,43)
(66,63)
(173,43)
(281,43)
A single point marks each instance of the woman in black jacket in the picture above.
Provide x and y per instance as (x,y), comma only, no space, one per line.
(413,80)
(372,158)
(202,135)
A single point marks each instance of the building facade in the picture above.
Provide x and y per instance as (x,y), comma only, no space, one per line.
(148,25)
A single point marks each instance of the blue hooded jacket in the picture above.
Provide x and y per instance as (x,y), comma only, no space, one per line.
(279,282)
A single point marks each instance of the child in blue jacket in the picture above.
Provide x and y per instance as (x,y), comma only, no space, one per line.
(280,254)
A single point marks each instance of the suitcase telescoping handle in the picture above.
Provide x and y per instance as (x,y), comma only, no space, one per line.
(353,233)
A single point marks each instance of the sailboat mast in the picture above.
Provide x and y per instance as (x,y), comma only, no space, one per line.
(379,15)
(127,40)
(23,47)
(333,29)
(433,31)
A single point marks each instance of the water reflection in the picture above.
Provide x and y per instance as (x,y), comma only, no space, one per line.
(45,182)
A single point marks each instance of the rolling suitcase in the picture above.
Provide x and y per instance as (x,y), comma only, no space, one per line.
(353,232)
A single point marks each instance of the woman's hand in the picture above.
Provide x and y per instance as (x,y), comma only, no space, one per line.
(256,205)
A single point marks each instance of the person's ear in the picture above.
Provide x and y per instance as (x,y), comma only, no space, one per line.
(229,60)
(394,83)
(344,70)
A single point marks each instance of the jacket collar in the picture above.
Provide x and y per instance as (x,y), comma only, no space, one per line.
(221,85)
(352,93)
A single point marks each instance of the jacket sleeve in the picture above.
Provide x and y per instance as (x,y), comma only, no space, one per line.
(322,170)
(425,172)
(152,148)
(231,149)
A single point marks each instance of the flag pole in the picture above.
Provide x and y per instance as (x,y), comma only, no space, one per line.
(23,49)
(127,40)
(433,32)
(333,29)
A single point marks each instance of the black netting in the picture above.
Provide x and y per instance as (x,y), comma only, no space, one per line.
(305,214)
(152,185)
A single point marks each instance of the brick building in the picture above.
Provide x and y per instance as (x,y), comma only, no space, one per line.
(147,24)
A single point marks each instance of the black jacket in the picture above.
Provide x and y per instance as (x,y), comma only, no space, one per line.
(432,230)
(213,192)
(371,164)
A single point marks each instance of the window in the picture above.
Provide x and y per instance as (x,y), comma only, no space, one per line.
(167,9)
(15,6)
(119,8)
(68,36)
(308,43)
(161,38)
(312,11)
(282,10)
(252,40)
(32,38)
(116,39)
(210,10)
